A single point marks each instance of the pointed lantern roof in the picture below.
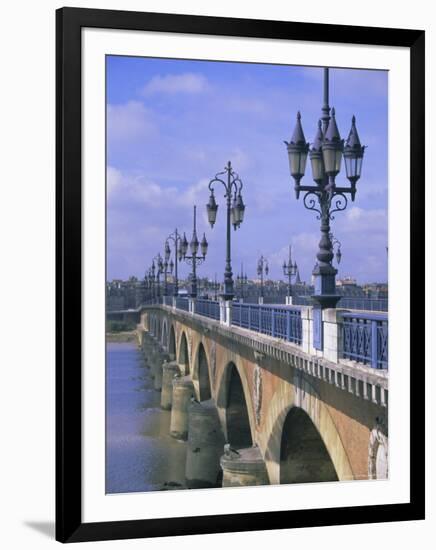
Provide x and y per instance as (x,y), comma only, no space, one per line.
(353,141)
(298,135)
(332,133)
(317,142)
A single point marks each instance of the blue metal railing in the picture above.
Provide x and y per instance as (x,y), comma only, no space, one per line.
(349,302)
(167,301)
(182,303)
(365,339)
(208,308)
(277,321)
(369,304)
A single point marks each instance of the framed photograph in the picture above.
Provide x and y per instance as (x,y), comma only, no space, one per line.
(240,232)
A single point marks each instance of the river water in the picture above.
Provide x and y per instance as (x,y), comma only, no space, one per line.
(140,453)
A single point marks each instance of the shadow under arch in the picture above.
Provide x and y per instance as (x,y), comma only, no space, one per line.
(172,344)
(201,375)
(183,358)
(303,455)
(164,339)
(313,411)
(158,329)
(235,407)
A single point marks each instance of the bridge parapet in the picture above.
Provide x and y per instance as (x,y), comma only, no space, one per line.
(329,365)
(361,337)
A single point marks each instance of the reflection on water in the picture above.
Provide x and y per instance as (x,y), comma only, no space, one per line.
(140,453)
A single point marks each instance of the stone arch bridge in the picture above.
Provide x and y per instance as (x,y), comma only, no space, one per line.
(259,409)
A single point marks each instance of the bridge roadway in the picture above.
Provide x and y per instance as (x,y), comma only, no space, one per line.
(258,409)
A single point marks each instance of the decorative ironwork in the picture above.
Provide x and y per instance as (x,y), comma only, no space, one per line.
(176,239)
(277,321)
(262,269)
(325,197)
(290,270)
(235,216)
(208,308)
(310,204)
(365,339)
(182,303)
(341,203)
(194,259)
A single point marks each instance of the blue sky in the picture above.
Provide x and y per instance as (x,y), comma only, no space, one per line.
(172,124)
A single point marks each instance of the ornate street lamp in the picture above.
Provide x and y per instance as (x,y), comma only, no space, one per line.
(156,270)
(290,270)
(148,287)
(325,197)
(215,288)
(194,259)
(176,239)
(167,266)
(153,279)
(235,216)
(242,281)
(262,267)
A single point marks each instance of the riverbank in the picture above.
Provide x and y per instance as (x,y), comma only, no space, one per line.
(120,337)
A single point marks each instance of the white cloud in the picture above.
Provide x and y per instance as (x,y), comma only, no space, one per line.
(304,248)
(129,121)
(197,193)
(114,180)
(247,105)
(137,188)
(190,83)
(306,241)
(361,219)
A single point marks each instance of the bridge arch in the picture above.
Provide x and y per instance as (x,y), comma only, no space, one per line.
(235,407)
(164,339)
(280,421)
(172,343)
(303,455)
(183,355)
(158,329)
(201,375)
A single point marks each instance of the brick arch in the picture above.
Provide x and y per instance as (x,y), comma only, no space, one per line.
(165,336)
(183,352)
(154,324)
(302,395)
(158,329)
(201,372)
(222,393)
(172,345)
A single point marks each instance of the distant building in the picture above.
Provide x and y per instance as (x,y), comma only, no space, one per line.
(122,295)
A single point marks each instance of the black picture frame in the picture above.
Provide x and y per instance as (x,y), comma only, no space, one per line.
(69,22)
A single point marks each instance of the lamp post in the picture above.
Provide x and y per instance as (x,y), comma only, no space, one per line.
(242,282)
(194,259)
(325,197)
(235,216)
(262,267)
(176,239)
(167,266)
(152,275)
(147,286)
(156,270)
(215,288)
(289,270)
